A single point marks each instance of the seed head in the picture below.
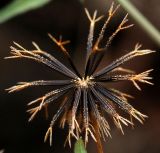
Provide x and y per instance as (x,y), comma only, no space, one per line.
(84,98)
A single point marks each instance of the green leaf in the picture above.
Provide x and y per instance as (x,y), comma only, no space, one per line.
(79,147)
(18,7)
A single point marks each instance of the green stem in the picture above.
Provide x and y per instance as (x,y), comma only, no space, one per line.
(17,7)
(79,147)
(141,19)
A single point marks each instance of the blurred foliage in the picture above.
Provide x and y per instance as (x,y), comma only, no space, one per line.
(17,7)
(1,151)
(141,20)
(79,147)
(82,1)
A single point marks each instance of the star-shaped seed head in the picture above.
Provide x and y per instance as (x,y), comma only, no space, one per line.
(84,98)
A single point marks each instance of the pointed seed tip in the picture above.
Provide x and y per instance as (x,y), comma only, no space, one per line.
(49,34)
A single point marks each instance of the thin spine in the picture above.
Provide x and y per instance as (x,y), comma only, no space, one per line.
(125,106)
(103,127)
(44,61)
(53,92)
(120,27)
(134,78)
(85,114)
(108,108)
(23,85)
(51,62)
(122,95)
(105,48)
(53,59)
(73,111)
(55,117)
(44,101)
(92,20)
(136,52)
(111,12)
(35,110)
(66,112)
(108,94)
(61,44)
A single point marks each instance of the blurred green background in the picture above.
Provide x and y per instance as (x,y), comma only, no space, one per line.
(67,18)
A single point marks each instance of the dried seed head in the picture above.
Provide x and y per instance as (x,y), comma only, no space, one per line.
(84,82)
(86,97)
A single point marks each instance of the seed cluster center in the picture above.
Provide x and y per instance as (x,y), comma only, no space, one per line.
(84,82)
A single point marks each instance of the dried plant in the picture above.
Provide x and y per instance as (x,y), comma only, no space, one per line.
(85,98)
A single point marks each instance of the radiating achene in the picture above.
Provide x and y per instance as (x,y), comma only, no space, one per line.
(84,97)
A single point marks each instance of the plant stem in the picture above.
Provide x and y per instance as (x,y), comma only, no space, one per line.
(79,147)
(17,7)
(141,19)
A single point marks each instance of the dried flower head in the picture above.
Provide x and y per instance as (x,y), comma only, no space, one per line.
(85,98)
